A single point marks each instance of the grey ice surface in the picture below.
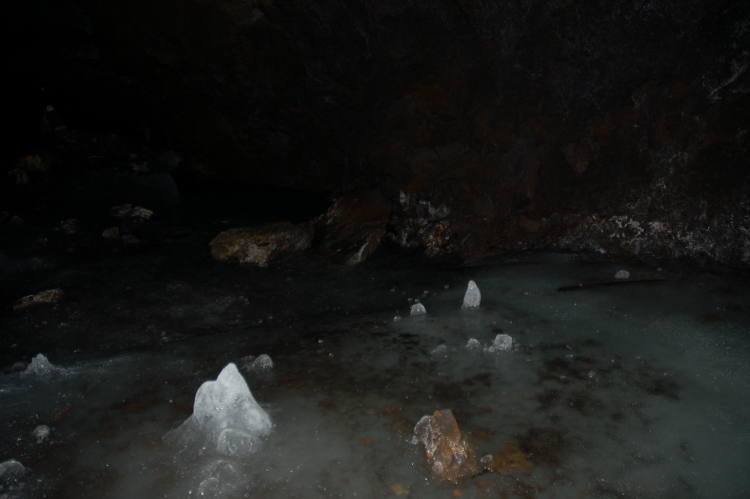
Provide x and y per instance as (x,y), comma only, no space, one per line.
(616,391)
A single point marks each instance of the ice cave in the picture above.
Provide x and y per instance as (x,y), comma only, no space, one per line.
(420,249)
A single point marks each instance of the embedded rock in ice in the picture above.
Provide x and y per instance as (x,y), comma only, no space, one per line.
(418,309)
(41,433)
(226,418)
(510,461)
(473,297)
(502,343)
(622,274)
(40,365)
(474,345)
(449,455)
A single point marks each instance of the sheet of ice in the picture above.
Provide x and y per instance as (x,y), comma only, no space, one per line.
(473,297)
(622,274)
(40,365)
(502,343)
(226,418)
(418,309)
(40,433)
(621,391)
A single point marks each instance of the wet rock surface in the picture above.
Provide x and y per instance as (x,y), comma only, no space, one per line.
(353,227)
(449,455)
(535,124)
(259,245)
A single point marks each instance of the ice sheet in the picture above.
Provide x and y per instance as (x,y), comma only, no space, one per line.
(618,391)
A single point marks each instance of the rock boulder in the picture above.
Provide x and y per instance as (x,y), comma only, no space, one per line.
(449,455)
(261,244)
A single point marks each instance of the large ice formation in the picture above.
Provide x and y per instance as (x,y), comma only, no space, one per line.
(226,418)
(40,365)
(473,297)
(418,309)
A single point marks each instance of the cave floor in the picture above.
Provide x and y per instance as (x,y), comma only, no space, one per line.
(613,388)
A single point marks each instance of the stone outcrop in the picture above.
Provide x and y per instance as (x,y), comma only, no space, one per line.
(353,227)
(258,245)
(449,455)
(521,117)
(48,296)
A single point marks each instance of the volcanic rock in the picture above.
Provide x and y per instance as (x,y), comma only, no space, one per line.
(49,296)
(449,455)
(261,244)
(353,227)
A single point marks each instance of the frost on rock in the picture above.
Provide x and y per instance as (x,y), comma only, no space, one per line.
(622,274)
(226,418)
(502,343)
(473,297)
(418,309)
(41,433)
(40,365)
(449,455)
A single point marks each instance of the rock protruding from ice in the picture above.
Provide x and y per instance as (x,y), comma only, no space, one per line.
(40,365)
(449,455)
(41,433)
(622,274)
(473,297)
(418,309)
(474,345)
(226,418)
(502,343)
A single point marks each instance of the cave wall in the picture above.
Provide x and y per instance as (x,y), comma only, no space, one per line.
(605,125)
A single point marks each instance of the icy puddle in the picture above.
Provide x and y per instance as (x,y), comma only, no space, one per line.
(609,390)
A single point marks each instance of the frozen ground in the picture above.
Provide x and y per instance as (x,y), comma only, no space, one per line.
(616,391)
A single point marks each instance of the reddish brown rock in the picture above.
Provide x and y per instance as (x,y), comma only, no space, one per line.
(449,455)
(49,296)
(260,244)
(353,227)
(510,461)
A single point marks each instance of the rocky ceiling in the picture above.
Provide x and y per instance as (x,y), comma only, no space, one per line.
(609,125)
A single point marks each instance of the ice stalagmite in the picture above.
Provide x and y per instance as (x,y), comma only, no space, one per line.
(418,309)
(473,297)
(226,418)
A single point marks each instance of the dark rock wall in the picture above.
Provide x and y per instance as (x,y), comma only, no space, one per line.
(534,122)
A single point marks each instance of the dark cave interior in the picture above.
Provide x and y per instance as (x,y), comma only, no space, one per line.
(367,151)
